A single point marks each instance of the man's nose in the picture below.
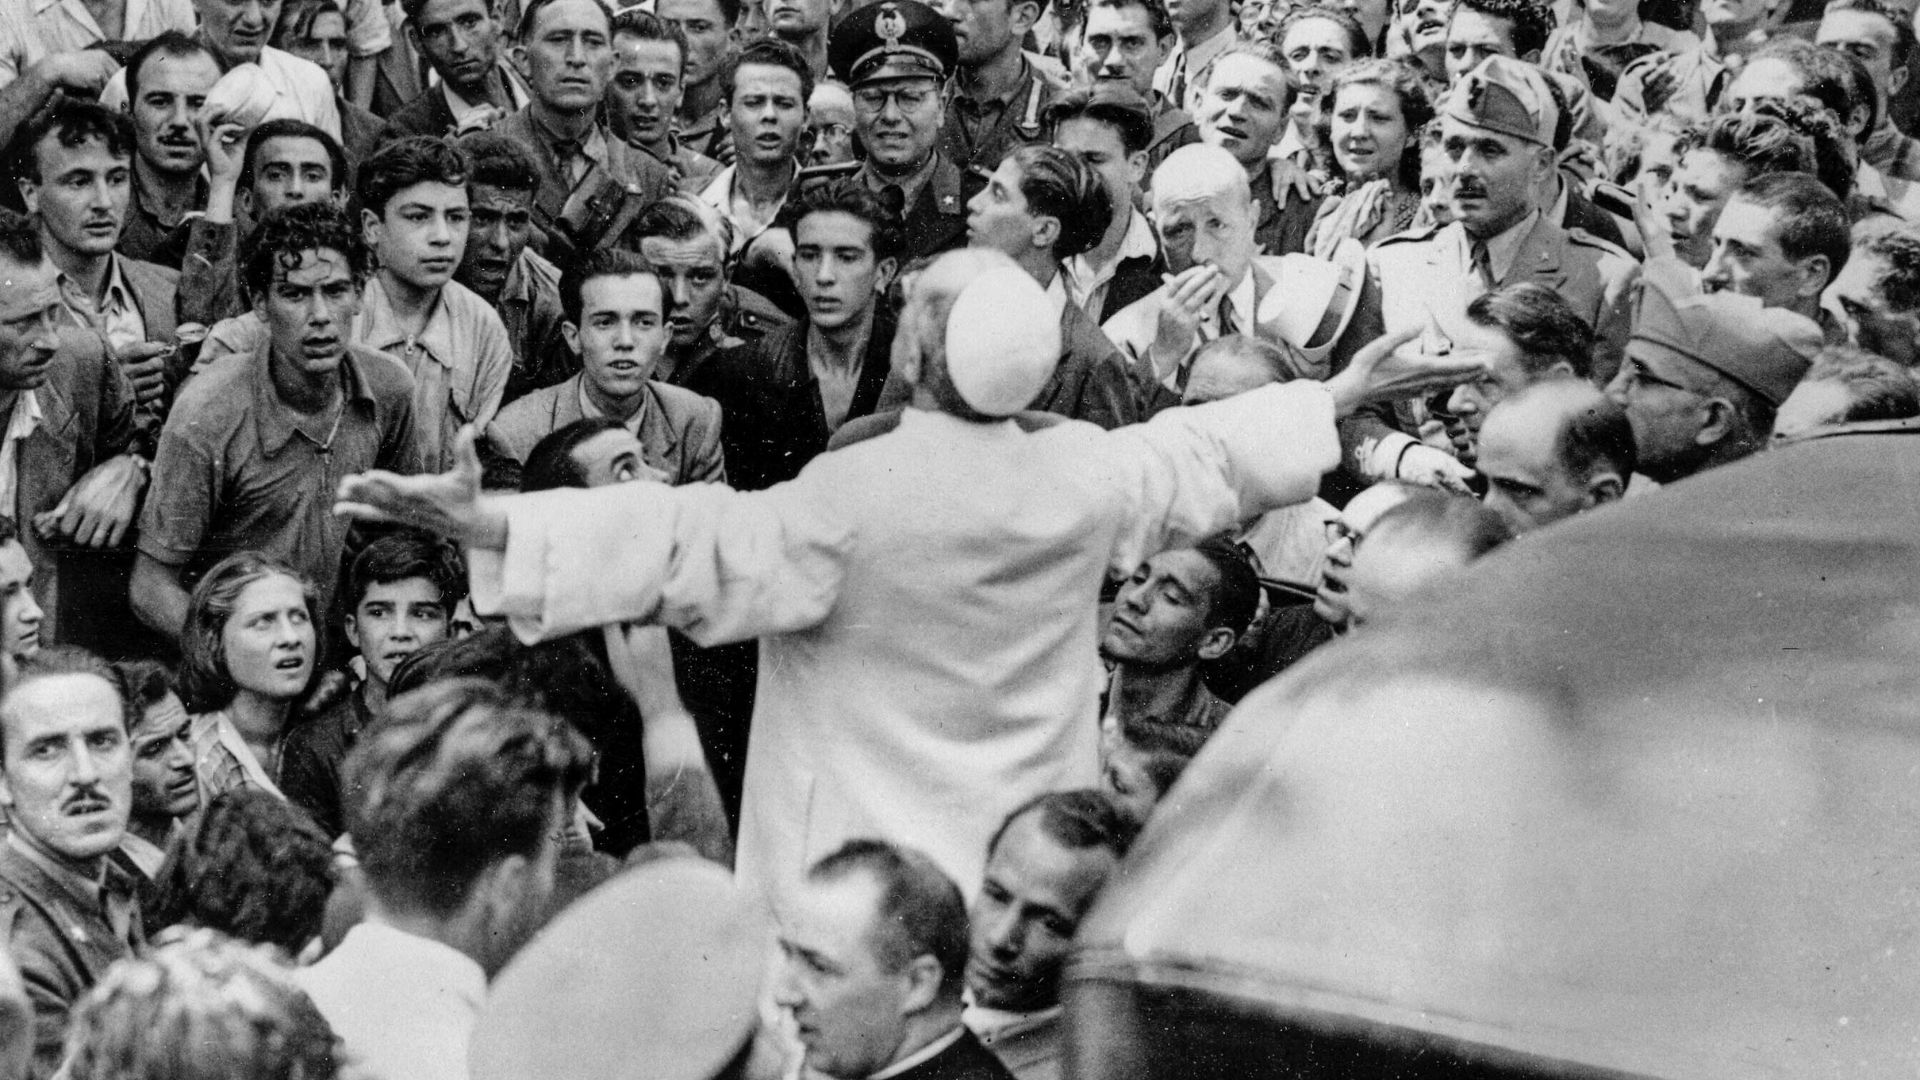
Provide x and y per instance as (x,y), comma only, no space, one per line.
(30,612)
(1616,389)
(1461,402)
(1004,935)
(1715,272)
(682,293)
(86,770)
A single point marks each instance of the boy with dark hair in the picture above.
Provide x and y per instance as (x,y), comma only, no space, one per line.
(766,90)
(256,445)
(649,72)
(502,268)
(400,595)
(413,205)
(710,28)
(1140,759)
(1181,609)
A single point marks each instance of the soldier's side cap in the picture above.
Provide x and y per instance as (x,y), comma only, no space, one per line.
(1767,350)
(1505,96)
(652,975)
(894,39)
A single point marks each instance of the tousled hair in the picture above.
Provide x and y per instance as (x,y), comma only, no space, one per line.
(255,867)
(288,233)
(1877,388)
(1541,322)
(1533,21)
(400,556)
(1061,185)
(599,263)
(402,163)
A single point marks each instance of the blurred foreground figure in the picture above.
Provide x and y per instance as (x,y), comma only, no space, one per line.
(926,600)
(204,1007)
(1518,833)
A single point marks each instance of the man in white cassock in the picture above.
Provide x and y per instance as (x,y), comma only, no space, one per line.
(926,600)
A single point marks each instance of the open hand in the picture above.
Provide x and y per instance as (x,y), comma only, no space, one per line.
(1387,371)
(449,503)
(1191,295)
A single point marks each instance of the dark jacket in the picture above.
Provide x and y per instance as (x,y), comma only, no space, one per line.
(586,215)
(966,1059)
(427,115)
(775,423)
(937,220)
(87,408)
(62,942)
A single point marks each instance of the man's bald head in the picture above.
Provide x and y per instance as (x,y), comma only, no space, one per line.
(1198,171)
(1235,364)
(1553,450)
(1204,212)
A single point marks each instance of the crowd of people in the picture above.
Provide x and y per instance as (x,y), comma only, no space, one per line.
(688,540)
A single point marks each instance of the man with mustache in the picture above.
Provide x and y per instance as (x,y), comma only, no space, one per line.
(167,81)
(166,789)
(66,780)
(1045,867)
(1497,129)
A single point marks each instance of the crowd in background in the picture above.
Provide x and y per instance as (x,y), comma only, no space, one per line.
(706,515)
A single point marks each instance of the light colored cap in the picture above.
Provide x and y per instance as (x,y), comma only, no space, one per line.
(246,96)
(1764,349)
(652,975)
(1003,340)
(1507,97)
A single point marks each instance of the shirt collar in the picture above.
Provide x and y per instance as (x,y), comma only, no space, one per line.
(380,328)
(119,295)
(26,416)
(519,284)
(1504,248)
(924,1054)
(910,186)
(275,422)
(1243,301)
(88,888)
(1057,293)
(594,412)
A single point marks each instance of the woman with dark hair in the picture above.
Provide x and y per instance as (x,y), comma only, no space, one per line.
(1379,107)
(248,652)
(256,867)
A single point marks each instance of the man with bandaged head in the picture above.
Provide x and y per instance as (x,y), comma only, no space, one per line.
(925,600)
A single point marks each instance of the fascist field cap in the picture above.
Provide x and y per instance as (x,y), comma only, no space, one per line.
(652,976)
(1764,349)
(1003,339)
(1507,97)
(894,39)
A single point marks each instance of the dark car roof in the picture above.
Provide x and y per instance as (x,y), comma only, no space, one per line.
(1638,796)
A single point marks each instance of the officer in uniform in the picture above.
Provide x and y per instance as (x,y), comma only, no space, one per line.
(894,56)
(1497,126)
(986,122)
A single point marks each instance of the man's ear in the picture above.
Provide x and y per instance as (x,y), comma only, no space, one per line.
(1218,643)
(923,974)
(1137,168)
(1022,17)
(571,334)
(352,626)
(1558,369)
(1719,421)
(883,272)
(29,193)
(1046,231)
(1532,57)
(1605,486)
(1897,80)
(517,55)
(371,229)
(1816,273)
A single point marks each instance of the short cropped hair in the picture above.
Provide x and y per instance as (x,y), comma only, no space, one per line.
(255,867)
(206,683)
(1061,185)
(1357,44)
(289,128)
(1134,126)
(497,161)
(1597,436)
(1159,17)
(1812,219)
(402,163)
(201,1006)
(524,31)
(1076,820)
(454,778)
(72,122)
(854,199)
(646,26)
(401,556)
(1899,285)
(1877,388)
(20,239)
(681,217)
(550,464)
(768,52)
(1442,515)
(55,660)
(1903,34)
(1407,86)
(283,236)
(1236,595)
(599,263)
(1819,79)
(921,912)
(1541,322)
(1533,21)
(169,43)
(148,682)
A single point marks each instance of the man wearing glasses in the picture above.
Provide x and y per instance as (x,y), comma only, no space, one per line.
(895,56)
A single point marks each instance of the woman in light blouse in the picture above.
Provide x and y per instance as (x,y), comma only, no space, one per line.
(1379,107)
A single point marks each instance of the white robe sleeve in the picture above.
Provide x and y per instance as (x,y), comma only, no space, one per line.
(717,564)
(1193,471)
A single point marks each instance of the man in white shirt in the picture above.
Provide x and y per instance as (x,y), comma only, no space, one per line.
(454,801)
(236,33)
(876,578)
(31,30)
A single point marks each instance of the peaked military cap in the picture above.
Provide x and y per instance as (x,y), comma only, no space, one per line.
(1764,349)
(1508,97)
(893,39)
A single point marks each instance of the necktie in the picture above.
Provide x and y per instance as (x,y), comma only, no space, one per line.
(1482,265)
(893,199)
(1177,84)
(572,158)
